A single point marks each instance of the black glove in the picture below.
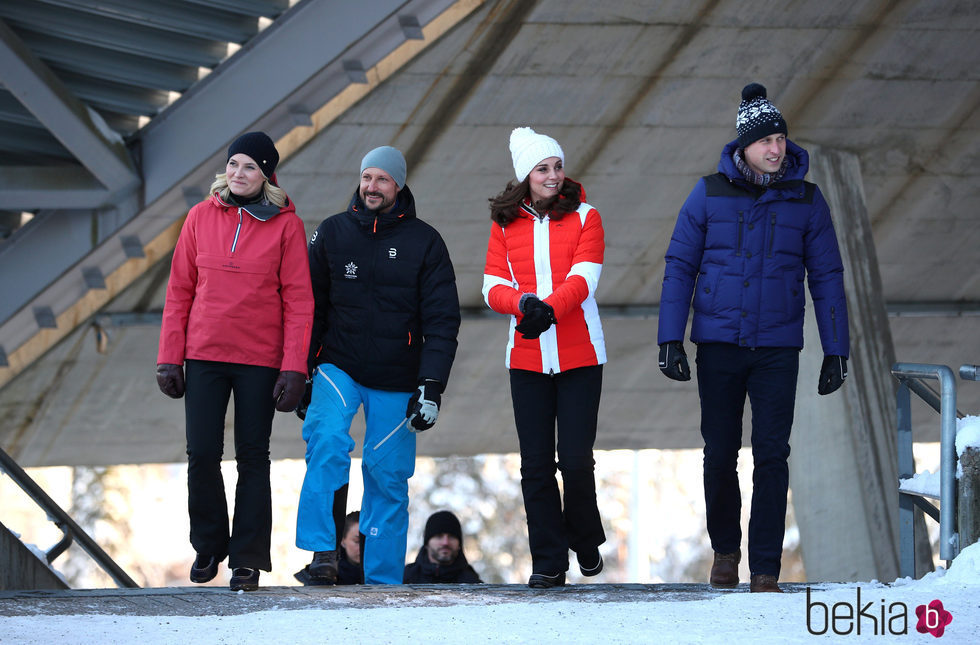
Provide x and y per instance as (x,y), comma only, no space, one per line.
(423,407)
(673,361)
(304,401)
(538,317)
(832,374)
(288,390)
(170,379)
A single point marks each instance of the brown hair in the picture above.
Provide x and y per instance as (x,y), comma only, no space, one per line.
(504,207)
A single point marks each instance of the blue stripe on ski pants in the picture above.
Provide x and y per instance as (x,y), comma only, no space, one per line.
(388,461)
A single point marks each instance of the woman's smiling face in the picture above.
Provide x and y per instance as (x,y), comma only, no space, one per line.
(546,179)
(244,177)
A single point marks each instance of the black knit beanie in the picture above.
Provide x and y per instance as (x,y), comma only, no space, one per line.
(260,148)
(443,522)
(757,117)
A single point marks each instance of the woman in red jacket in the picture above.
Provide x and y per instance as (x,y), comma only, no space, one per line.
(543,264)
(237,319)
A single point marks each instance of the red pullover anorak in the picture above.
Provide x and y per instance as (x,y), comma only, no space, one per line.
(239,289)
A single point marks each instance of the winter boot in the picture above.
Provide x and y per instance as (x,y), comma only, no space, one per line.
(324,566)
(724,570)
(244,579)
(204,569)
(590,562)
(546,581)
(761,583)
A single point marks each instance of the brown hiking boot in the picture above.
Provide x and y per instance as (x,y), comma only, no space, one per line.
(761,583)
(724,571)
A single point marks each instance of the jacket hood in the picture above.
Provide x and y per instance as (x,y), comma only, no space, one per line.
(262,211)
(799,163)
(404,210)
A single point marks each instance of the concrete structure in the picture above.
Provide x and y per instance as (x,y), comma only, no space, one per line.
(21,568)
(642,97)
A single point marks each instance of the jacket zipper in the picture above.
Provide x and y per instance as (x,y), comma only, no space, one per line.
(238,230)
(548,341)
(738,235)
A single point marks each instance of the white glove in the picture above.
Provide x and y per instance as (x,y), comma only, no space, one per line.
(423,407)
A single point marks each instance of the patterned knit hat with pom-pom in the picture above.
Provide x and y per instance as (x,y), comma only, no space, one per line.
(757,117)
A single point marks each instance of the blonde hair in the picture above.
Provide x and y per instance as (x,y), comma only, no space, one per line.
(272,194)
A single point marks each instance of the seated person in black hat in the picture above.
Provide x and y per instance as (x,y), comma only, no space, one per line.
(441,559)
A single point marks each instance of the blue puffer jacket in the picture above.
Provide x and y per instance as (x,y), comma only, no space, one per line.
(742,251)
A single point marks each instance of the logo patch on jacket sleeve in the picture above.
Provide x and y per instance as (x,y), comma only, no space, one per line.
(350,271)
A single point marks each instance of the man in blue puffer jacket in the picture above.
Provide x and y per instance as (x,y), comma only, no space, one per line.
(744,240)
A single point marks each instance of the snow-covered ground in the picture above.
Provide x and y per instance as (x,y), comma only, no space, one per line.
(869,612)
(943,604)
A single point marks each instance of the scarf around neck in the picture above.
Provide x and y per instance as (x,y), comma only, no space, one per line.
(759,179)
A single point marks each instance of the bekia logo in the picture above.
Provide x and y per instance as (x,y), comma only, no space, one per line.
(350,271)
(932,618)
(878,619)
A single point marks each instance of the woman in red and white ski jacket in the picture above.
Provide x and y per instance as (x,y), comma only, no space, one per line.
(560,261)
(543,264)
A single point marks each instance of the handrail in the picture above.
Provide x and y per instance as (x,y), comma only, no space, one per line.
(909,376)
(970,372)
(69,528)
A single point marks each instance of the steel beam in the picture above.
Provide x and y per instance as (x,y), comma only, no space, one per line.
(79,129)
(190,131)
(28,188)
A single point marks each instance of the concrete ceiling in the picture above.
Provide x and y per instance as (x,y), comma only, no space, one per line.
(642,97)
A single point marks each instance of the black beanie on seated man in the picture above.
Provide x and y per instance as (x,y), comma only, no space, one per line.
(443,522)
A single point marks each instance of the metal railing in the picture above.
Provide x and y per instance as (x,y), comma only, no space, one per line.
(911,378)
(70,530)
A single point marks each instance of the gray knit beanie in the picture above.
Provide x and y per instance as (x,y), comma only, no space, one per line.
(388,159)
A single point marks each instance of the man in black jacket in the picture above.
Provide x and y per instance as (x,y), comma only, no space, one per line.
(385,322)
(441,558)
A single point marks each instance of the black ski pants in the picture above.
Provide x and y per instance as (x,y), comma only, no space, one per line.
(570,399)
(209,386)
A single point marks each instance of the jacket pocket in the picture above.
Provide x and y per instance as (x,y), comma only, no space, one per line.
(739,233)
(706,289)
(226,284)
(795,297)
(234,265)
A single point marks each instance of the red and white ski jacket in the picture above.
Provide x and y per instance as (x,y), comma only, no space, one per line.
(239,289)
(560,261)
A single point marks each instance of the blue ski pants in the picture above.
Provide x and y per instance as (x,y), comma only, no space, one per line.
(388,461)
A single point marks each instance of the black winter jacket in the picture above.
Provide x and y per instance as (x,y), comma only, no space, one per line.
(387,311)
(348,573)
(423,571)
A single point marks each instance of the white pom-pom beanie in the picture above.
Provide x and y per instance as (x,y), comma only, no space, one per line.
(528,148)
